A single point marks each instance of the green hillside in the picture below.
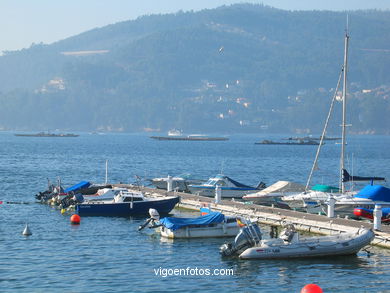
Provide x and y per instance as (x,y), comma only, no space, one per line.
(239,68)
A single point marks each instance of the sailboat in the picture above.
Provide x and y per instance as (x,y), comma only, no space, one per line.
(314,200)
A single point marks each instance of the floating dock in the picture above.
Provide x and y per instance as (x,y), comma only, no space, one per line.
(276,216)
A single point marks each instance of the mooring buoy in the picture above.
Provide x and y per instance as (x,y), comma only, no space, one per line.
(27,231)
(75,219)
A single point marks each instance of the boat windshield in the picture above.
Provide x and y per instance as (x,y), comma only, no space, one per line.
(132,198)
(214,182)
(211,182)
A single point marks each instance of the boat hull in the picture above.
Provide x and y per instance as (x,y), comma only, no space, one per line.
(126,209)
(342,244)
(208,231)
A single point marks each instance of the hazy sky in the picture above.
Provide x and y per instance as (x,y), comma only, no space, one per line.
(23,22)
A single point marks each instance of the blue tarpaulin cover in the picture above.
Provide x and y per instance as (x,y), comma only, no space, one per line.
(375,192)
(80,185)
(177,223)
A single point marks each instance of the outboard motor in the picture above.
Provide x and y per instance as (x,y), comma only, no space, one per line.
(248,236)
(288,233)
(47,193)
(71,199)
(154,217)
(154,214)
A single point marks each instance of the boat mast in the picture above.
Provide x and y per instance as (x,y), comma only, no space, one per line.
(106,181)
(343,125)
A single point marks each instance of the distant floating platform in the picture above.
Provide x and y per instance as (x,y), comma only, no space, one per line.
(270,142)
(192,138)
(42,134)
(312,138)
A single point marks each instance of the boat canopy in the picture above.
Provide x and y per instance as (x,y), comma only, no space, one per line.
(325,188)
(216,180)
(177,223)
(238,184)
(375,193)
(80,185)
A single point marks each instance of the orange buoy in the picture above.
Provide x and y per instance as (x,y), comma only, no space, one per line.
(311,288)
(75,219)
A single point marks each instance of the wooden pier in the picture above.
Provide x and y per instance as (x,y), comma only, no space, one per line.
(276,216)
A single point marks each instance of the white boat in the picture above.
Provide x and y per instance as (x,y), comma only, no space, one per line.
(366,198)
(249,244)
(175,132)
(273,193)
(313,200)
(212,224)
(179,183)
(229,187)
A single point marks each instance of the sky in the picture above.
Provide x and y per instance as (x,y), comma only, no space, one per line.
(24,22)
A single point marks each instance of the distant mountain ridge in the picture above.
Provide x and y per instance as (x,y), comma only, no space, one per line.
(236,68)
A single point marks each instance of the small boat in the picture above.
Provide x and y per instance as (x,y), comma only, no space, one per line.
(127,203)
(56,194)
(311,200)
(179,183)
(210,224)
(369,214)
(367,198)
(229,187)
(249,244)
(175,132)
(273,193)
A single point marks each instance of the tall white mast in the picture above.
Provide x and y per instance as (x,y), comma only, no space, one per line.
(343,125)
(106,181)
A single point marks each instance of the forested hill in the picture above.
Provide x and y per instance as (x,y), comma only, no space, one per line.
(239,68)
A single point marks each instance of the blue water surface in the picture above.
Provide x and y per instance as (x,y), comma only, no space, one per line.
(110,255)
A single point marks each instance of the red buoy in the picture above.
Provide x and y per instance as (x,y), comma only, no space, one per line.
(311,288)
(75,219)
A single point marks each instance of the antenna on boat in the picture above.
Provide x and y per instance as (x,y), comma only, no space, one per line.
(106,181)
(222,166)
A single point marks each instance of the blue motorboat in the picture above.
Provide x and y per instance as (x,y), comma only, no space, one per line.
(125,204)
(229,187)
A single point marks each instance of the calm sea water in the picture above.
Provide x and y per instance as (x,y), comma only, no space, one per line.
(110,255)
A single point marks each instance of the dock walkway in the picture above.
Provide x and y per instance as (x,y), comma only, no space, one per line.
(276,216)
